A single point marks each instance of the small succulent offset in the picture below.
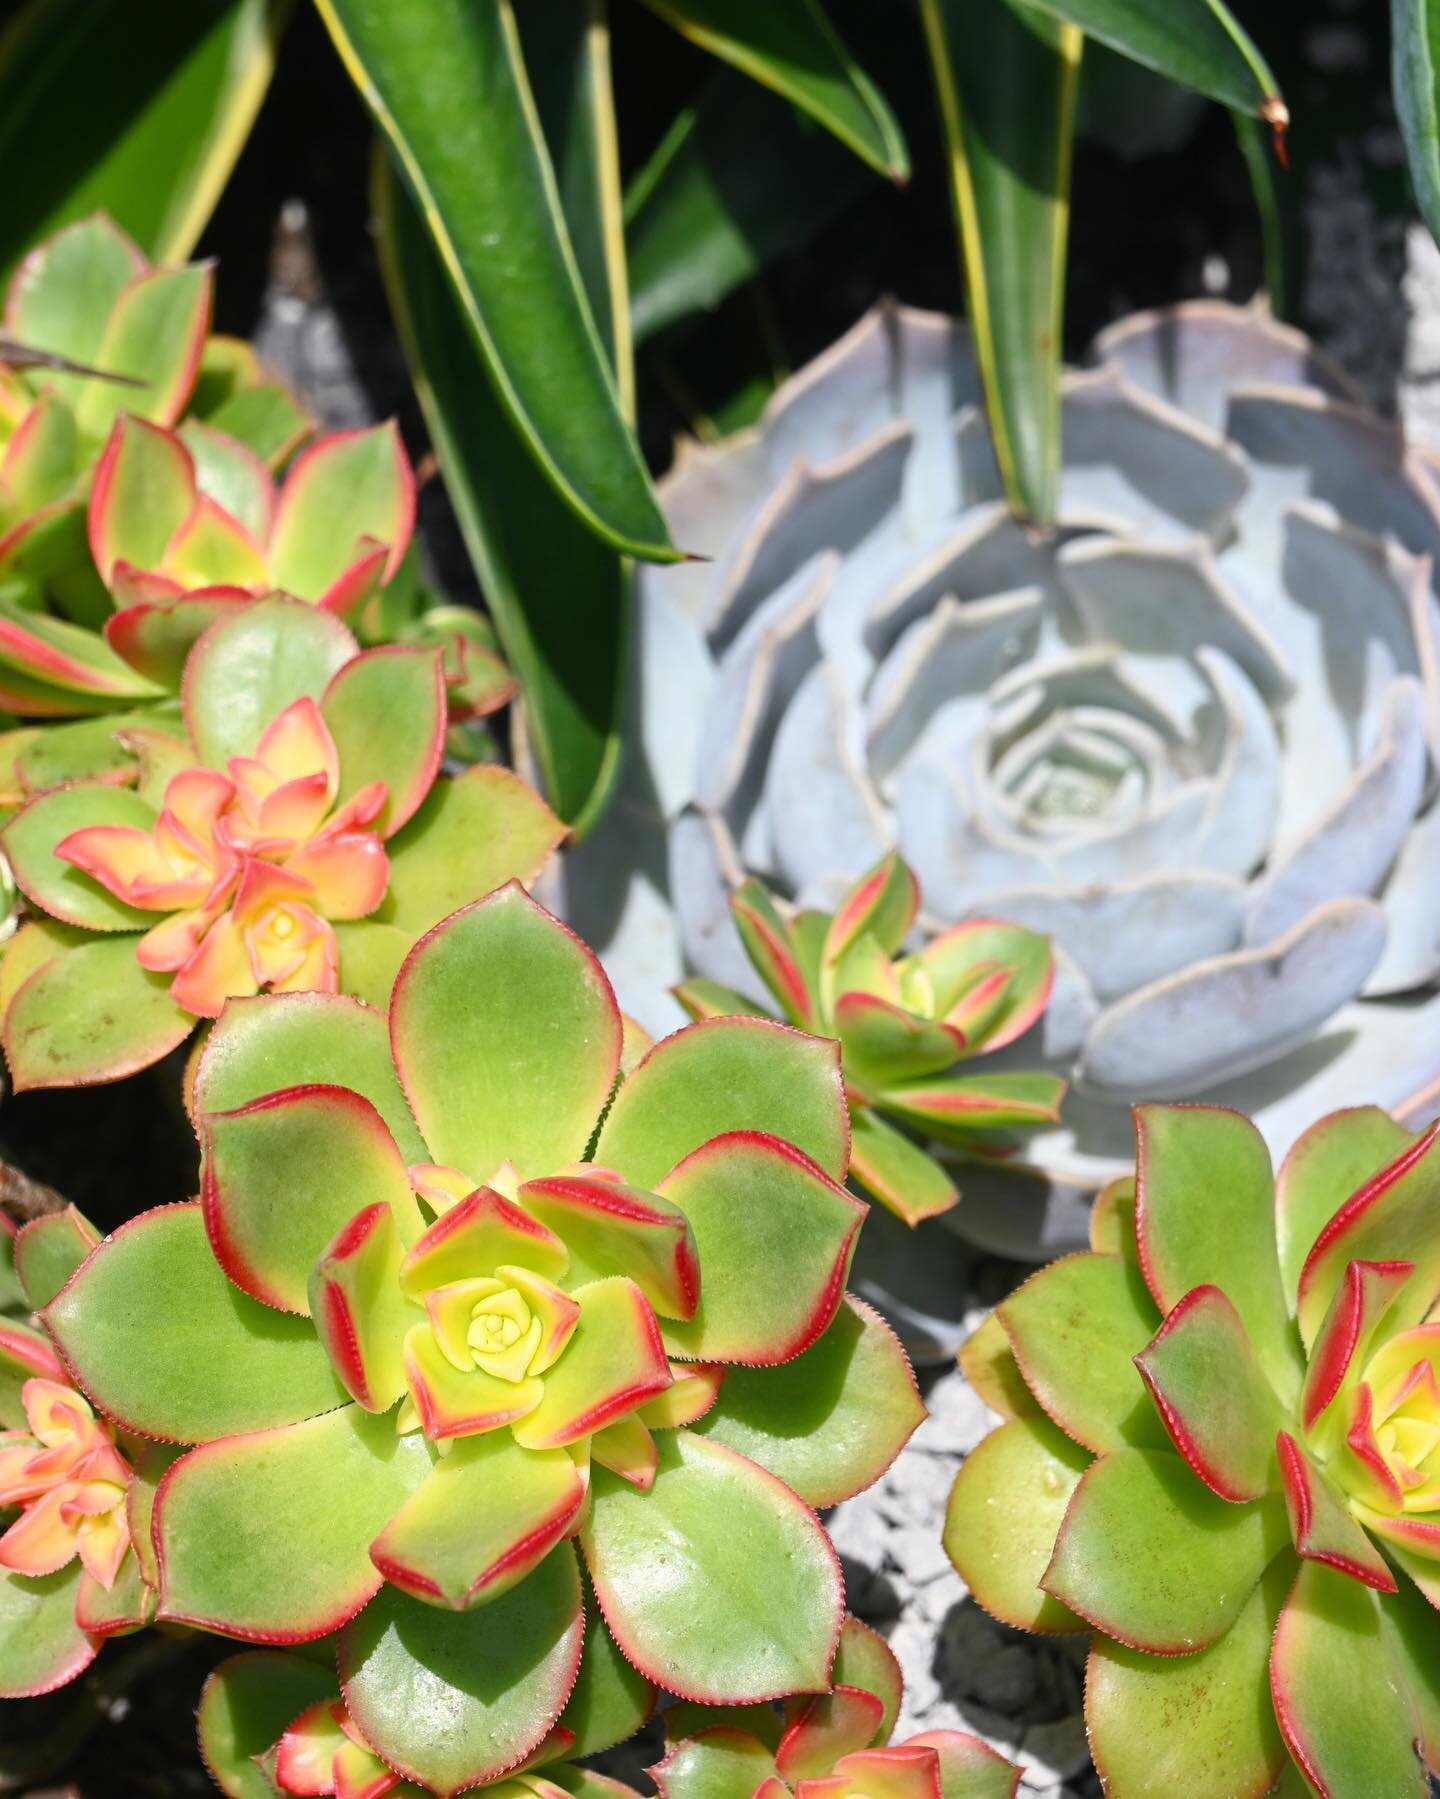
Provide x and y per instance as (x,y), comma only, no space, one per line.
(512,1287)
(902,1025)
(272,1722)
(1222,1453)
(1188,735)
(73,1496)
(833,1745)
(298,837)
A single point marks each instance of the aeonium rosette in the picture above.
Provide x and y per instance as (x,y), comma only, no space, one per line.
(904,1023)
(299,837)
(75,1559)
(494,1304)
(833,1745)
(1222,1453)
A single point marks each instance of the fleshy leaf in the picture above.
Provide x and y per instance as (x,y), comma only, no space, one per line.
(766,937)
(727,1074)
(1322,1528)
(609,1228)
(1153,1559)
(1216,1403)
(1365,1295)
(200,1360)
(864,1659)
(774,1237)
(149,1469)
(245,1705)
(882,905)
(969,1769)
(144,490)
(347,486)
(988,1363)
(1326,1164)
(953,1109)
(360,1313)
(830,1422)
(1344,1713)
(267,1536)
(488,1512)
(1075,1328)
(1205,1217)
(896,1170)
(23,1355)
(718,1762)
(1005,1509)
(48,1250)
(338,1159)
(386,712)
(610,1700)
(524,1076)
(41,1645)
(413,1680)
(718,1583)
(91,1014)
(825,1728)
(58,886)
(616,1363)
(884,1043)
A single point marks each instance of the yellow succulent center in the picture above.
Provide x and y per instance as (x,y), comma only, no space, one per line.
(1408,1437)
(503,1335)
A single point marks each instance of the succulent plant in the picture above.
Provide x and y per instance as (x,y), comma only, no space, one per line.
(489,1307)
(87,296)
(75,1565)
(902,1025)
(298,837)
(1188,735)
(1222,1454)
(833,1745)
(272,1722)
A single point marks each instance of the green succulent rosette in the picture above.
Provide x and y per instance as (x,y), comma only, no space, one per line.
(470,1283)
(1221,1453)
(904,1024)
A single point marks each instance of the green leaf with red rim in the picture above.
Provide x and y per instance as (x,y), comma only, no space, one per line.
(245,1705)
(1326,1164)
(614,1363)
(609,1228)
(41,1645)
(386,712)
(348,486)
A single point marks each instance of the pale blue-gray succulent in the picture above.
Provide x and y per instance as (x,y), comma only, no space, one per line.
(1192,733)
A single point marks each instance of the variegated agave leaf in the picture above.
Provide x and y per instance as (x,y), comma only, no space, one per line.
(1190,735)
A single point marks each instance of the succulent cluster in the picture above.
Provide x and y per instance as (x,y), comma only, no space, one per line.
(522,1284)
(903,1023)
(291,831)
(1221,1454)
(1187,734)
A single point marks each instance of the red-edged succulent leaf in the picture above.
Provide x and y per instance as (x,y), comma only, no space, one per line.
(1343,1709)
(718,1762)
(455,1404)
(485,1516)
(969,1769)
(128,1604)
(154,636)
(360,1313)
(199,1360)
(954,1109)
(24,1355)
(830,1422)
(627,1448)
(348,486)
(1321,1527)
(1153,1559)
(91,1014)
(1326,1164)
(610,1699)
(1074,1329)
(143,492)
(774,1236)
(41,1645)
(1391,1218)
(233,475)
(386,712)
(723,1075)
(1216,1403)
(64,289)
(884,1044)
(213,549)
(306,1750)
(905,1771)
(1112,1219)
(1366,1293)
(1204,1216)
(409,1675)
(690,1396)
(523,1076)
(766,937)
(894,1169)
(988,1364)
(825,1728)
(267,1536)
(718,1582)
(990,979)
(40,654)
(483,1232)
(246,1704)
(149,1468)
(882,905)
(614,1364)
(56,885)
(155,333)
(865,1660)
(48,1250)
(338,1159)
(703,999)
(609,1228)
(1005,1509)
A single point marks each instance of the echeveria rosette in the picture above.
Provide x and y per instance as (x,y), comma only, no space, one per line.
(833,1745)
(1188,736)
(87,295)
(272,1722)
(903,1024)
(1222,1453)
(493,1305)
(71,1503)
(299,837)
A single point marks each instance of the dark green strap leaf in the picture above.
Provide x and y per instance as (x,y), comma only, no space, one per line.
(1415,52)
(447,86)
(1006,76)
(790,46)
(143,118)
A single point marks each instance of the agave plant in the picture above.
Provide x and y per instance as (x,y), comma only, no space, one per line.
(834,1745)
(299,837)
(1187,735)
(272,1722)
(1222,1454)
(902,1025)
(492,1305)
(139,336)
(75,1496)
